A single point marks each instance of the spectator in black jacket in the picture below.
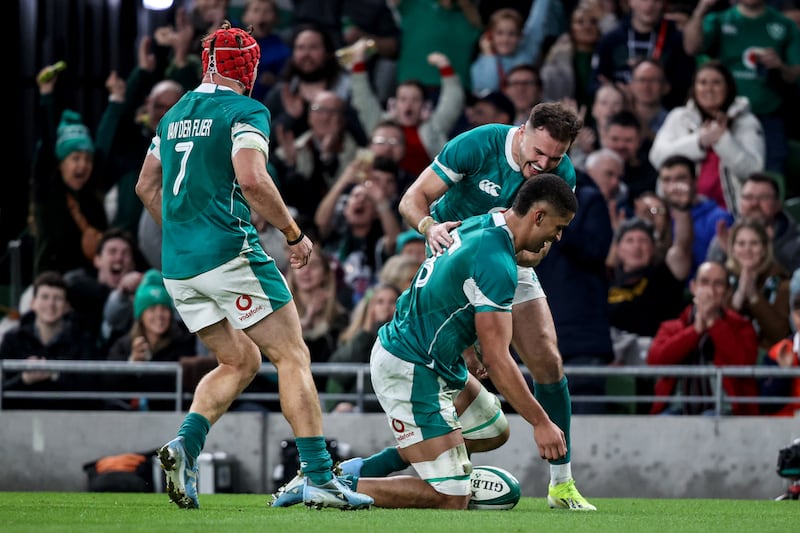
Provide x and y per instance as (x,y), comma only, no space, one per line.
(573,276)
(49,331)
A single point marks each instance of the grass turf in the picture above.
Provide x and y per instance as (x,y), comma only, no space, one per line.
(240,513)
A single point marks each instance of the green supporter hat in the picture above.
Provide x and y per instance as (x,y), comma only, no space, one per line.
(72,135)
(150,292)
(407,237)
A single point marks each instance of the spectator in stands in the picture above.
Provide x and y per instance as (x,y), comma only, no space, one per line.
(644,34)
(524,88)
(784,354)
(205,17)
(370,230)
(609,100)
(647,88)
(322,317)
(103,295)
(450,27)
(134,109)
(399,270)
(604,169)
(355,344)
(49,331)
(623,134)
(761,200)
(134,141)
(677,183)
(67,212)
(309,165)
(312,68)
(388,140)
(567,68)
(493,108)
(707,332)
(509,40)
(374,20)
(183,43)
(760,284)
(425,132)
(262,16)
(646,289)
(156,335)
(717,131)
(761,48)
(373,212)
(411,243)
(573,275)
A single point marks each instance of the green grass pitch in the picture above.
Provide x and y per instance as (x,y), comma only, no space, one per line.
(241,513)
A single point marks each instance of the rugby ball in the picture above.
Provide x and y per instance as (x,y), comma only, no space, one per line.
(493,489)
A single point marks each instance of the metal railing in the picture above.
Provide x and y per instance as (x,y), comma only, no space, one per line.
(361,372)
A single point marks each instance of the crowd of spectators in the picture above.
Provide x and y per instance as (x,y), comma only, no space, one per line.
(681,251)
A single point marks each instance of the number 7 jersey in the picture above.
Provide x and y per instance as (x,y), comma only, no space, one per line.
(205,217)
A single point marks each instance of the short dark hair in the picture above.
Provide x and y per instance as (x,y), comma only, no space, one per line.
(635,224)
(763,177)
(677,159)
(388,123)
(625,119)
(116,233)
(559,121)
(548,188)
(414,83)
(49,278)
(500,102)
(527,67)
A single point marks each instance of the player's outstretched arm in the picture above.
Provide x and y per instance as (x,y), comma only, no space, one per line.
(494,333)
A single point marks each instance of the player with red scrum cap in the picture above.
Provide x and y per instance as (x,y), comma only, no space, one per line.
(205,170)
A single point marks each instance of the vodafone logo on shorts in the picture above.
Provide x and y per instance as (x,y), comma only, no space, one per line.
(245,305)
(399,428)
(243,302)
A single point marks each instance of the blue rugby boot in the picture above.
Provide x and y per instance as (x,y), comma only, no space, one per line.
(181,477)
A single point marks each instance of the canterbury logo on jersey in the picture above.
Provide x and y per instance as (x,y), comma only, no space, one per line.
(489,187)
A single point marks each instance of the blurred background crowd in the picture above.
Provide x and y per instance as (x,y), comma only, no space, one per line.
(685,249)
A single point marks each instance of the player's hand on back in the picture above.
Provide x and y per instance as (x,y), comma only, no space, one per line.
(438,236)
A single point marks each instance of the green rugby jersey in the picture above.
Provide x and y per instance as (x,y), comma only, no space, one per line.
(480,171)
(734,39)
(206,219)
(434,321)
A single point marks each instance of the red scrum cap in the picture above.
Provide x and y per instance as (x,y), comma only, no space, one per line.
(232,53)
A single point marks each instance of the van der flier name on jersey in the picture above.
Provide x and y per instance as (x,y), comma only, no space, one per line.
(200,127)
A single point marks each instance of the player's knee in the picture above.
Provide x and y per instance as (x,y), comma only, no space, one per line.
(448,475)
(483,420)
(549,368)
(250,364)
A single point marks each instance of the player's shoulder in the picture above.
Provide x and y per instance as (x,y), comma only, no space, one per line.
(481,134)
(240,104)
(488,231)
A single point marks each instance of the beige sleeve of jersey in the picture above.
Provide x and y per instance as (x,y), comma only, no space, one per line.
(244,136)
